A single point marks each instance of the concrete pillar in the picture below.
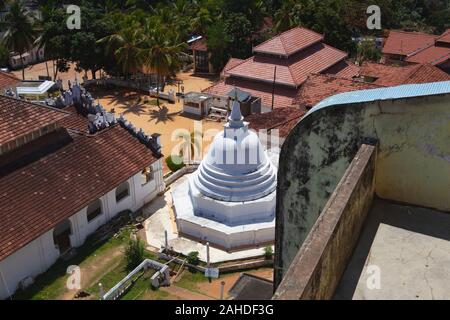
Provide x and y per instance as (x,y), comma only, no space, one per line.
(101,292)
(222,289)
(166,241)
(207,255)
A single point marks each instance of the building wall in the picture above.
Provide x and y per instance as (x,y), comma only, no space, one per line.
(318,266)
(413,163)
(36,257)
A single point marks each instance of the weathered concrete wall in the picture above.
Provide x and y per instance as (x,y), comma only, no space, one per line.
(413,162)
(322,259)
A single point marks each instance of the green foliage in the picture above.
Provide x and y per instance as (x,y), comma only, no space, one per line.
(4,56)
(174,162)
(268,252)
(367,50)
(192,258)
(134,254)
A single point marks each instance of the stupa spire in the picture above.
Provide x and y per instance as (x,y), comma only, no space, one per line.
(236,119)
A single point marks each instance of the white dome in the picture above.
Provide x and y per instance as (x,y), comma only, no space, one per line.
(236,167)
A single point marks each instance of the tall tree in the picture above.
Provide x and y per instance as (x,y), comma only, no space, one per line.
(20,31)
(126,46)
(162,52)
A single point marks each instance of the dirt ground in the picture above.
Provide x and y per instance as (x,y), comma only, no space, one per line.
(212,289)
(33,72)
(167,119)
(140,109)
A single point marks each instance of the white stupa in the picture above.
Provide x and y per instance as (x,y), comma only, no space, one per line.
(230,200)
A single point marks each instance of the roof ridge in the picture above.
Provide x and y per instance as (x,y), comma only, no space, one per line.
(415,32)
(284,32)
(35,104)
(9,75)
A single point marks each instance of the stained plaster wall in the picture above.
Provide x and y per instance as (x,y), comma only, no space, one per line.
(413,162)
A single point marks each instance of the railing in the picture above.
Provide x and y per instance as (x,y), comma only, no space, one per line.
(122,287)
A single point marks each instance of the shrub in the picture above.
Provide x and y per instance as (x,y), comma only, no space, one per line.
(134,253)
(174,162)
(4,56)
(192,258)
(268,252)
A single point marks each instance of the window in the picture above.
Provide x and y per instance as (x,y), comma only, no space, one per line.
(122,191)
(94,210)
(201,61)
(147,175)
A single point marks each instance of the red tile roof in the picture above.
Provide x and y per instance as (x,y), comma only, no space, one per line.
(388,75)
(344,69)
(61,183)
(434,55)
(404,43)
(7,81)
(289,42)
(319,87)
(283,119)
(282,98)
(75,122)
(19,118)
(292,71)
(232,62)
(445,37)
(199,45)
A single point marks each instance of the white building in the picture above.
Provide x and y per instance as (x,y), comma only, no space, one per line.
(230,200)
(59,183)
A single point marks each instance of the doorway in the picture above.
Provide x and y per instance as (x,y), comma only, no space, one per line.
(61,236)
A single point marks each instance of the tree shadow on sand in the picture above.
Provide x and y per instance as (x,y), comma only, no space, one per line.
(162,115)
(133,108)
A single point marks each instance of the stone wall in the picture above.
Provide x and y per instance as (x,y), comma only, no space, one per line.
(322,259)
(413,161)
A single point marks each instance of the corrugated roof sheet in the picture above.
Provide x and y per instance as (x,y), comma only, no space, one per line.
(389,93)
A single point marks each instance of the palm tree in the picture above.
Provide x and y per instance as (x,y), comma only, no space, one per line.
(20,33)
(45,38)
(190,147)
(162,52)
(126,45)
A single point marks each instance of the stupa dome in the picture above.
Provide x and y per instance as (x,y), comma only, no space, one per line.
(236,167)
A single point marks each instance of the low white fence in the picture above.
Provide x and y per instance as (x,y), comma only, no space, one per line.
(120,288)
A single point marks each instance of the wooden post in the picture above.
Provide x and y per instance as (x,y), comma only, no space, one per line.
(207,255)
(222,289)
(273,86)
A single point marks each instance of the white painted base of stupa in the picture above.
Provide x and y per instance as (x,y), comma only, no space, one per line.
(245,233)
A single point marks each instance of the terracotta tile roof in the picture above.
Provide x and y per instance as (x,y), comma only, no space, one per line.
(7,81)
(434,55)
(289,42)
(319,87)
(388,75)
(60,183)
(76,121)
(199,45)
(232,62)
(292,71)
(283,119)
(19,118)
(282,98)
(445,37)
(404,43)
(344,69)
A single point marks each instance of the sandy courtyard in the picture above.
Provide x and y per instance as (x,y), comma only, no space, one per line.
(142,111)
(167,119)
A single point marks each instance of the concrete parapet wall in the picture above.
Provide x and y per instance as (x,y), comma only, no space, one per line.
(317,268)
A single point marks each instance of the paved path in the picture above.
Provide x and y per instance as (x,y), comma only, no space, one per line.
(185,294)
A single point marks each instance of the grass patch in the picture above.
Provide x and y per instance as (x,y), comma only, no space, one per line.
(51,285)
(190,279)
